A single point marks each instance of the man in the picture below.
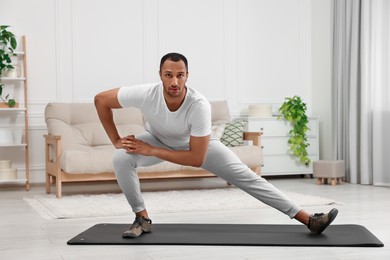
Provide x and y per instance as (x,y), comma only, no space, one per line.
(178,131)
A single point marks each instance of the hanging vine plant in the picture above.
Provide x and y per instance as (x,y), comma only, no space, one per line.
(294,111)
(7,48)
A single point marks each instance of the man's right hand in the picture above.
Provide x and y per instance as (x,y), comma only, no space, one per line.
(118,144)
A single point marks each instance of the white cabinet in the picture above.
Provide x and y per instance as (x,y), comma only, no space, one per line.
(278,159)
(14,121)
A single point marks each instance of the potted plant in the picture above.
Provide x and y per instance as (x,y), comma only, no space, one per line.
(294,111)
(7,47)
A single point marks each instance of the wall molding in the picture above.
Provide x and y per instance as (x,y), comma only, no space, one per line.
(214,44)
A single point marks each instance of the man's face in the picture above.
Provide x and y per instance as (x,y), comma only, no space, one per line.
(174,76)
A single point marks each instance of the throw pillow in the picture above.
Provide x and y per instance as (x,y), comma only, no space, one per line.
(233,134)
(217,131)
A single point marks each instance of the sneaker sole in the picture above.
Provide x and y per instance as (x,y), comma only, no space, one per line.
(332,215)
(132,235)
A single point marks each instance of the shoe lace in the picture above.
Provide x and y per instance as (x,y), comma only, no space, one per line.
(314,218)
(138,222)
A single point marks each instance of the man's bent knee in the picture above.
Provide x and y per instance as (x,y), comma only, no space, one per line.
(121,158)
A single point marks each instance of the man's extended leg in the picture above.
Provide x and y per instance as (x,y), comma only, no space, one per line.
(221,161)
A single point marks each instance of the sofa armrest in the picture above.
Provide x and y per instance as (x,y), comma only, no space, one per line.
(254,136)
(52,161)
(52,139)
(52,147)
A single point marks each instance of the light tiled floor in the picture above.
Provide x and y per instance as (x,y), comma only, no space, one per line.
(25,235)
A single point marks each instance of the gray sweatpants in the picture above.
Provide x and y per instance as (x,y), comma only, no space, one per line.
(220,160)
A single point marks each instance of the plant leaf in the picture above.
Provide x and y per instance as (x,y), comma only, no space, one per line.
(13,43)
(294,111)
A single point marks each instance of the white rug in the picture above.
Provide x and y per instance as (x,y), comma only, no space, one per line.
(102,205)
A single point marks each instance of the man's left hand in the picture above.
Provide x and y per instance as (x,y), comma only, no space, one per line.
(134,145)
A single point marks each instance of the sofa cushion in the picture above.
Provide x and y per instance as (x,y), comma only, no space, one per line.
(217,131)
(86,147)
(84,159)
(79,124)
(220,113)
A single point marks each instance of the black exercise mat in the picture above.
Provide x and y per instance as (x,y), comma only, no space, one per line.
(230,235)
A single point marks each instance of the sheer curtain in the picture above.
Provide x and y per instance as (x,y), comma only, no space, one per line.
(361,96)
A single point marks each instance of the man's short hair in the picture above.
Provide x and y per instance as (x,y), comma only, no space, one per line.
(173,56)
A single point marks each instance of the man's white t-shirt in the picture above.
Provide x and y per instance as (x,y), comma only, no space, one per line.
(171,128)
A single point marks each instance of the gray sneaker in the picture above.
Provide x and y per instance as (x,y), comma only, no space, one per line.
(140,225)
(320,221)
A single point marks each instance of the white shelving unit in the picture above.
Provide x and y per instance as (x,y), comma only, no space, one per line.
(278,159)
(18,82)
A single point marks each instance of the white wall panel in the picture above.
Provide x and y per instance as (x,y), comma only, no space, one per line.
(273,50)
(244,51)
(107,46)
(36,20)
(65,88)
(151,46)
(195,29)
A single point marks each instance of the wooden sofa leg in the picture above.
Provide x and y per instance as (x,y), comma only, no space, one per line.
(58,187)
(47,183)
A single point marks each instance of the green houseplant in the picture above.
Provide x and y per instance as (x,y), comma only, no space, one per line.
(294,111)
(7,48)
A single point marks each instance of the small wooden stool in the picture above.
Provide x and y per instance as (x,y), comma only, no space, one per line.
(335,170)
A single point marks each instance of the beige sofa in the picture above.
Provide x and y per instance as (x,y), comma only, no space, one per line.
(78,149)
